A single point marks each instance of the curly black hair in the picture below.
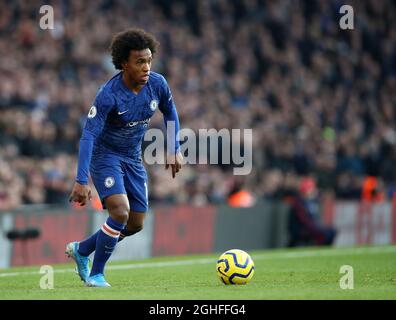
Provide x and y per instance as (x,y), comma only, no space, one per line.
(130,39)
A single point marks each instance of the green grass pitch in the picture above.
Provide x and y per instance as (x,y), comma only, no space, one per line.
(308,273)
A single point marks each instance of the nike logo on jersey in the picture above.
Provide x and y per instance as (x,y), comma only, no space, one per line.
(122,112)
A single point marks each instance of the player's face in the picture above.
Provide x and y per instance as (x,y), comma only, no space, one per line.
(138,66)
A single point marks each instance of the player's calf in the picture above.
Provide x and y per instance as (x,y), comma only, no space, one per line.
(127,232)
(134,225)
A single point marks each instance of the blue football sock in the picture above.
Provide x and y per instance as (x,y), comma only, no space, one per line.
(105,243)
(87,246)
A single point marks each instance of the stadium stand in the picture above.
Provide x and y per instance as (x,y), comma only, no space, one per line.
(320,100)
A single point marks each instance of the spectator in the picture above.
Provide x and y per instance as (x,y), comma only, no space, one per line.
(305,226)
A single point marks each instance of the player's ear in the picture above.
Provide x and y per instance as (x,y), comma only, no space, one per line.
(124,66)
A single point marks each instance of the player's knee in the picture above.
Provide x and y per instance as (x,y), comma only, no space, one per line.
(119,212)
(120,216)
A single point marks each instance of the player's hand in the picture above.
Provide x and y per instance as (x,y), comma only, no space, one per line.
(81,193)
(175,162)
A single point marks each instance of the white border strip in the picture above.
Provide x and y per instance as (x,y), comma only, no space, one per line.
(6,223)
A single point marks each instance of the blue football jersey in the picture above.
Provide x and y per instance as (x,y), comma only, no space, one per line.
(119,118)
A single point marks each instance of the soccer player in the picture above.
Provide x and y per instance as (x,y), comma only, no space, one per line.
(110,147)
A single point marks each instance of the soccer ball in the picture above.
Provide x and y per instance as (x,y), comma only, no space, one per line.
(235,267)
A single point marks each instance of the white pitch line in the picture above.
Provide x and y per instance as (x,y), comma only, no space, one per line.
(268,256)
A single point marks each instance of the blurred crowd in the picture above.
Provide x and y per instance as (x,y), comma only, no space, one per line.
(321,100)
